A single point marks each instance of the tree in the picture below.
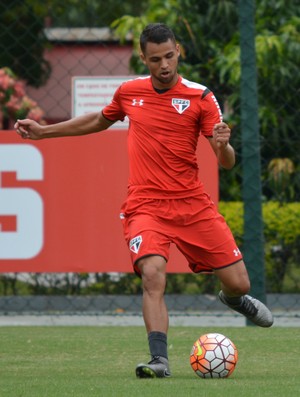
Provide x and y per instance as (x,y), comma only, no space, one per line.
(22,42)
(90,13)
(22,23)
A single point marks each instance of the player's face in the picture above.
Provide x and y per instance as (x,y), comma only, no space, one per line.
(162,60)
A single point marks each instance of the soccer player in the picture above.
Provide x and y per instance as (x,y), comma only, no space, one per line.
(166,201)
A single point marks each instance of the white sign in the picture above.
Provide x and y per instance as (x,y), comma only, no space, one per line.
(92,94)
(25,203)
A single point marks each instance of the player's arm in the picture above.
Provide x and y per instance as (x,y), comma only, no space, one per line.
(216,131)
(221,146)
(81,125)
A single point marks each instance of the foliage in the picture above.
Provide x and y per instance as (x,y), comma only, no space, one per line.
(14,103)
(89,13)
(282,241)
(280,177)
(22,37)
(281,221)
(22,42)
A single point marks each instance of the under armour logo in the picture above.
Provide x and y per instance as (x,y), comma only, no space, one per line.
(236,252)
(139,102)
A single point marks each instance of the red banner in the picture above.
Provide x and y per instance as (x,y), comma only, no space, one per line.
(60,201)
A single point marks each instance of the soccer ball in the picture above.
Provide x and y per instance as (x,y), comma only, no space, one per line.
(213,356)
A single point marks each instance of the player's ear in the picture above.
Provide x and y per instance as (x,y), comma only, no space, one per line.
(143,59)
(178,50)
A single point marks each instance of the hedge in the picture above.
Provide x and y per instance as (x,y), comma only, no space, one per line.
(281,222)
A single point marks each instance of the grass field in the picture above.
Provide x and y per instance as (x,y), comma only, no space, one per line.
(100,361)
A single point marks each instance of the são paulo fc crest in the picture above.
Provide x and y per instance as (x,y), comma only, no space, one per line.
(180,104)
(135,244)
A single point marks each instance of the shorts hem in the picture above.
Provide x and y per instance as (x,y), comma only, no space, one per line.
(211,270)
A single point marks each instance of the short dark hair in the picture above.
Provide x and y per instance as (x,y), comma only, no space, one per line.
(156,33)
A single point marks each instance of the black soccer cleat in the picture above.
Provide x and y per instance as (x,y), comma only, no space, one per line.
(253,309)
(158,367)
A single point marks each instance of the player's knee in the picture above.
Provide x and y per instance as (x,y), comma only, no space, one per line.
(152,266)
(153,275)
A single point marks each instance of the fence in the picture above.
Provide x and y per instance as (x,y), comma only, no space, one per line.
(48,56)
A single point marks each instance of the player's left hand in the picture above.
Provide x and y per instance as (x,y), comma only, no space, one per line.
(222,134)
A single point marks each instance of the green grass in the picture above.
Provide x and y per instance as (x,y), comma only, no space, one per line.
(100,361)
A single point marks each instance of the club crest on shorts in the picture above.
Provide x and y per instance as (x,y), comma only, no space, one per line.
(180,104)
(135,244)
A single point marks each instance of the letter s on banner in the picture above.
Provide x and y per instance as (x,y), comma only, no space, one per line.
(24,203)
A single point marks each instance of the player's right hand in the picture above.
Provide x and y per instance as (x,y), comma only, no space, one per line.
(28,129)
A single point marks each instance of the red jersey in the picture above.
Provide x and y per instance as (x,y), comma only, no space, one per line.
(163,133)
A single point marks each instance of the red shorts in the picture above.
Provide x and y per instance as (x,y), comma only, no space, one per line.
(193,224)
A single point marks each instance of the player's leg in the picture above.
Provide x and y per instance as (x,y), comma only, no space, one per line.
(153,273)
(235,285)
(149,245)
(208,245)
(151,268)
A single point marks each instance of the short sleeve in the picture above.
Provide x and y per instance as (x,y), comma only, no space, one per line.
(113,111)
(211,114)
